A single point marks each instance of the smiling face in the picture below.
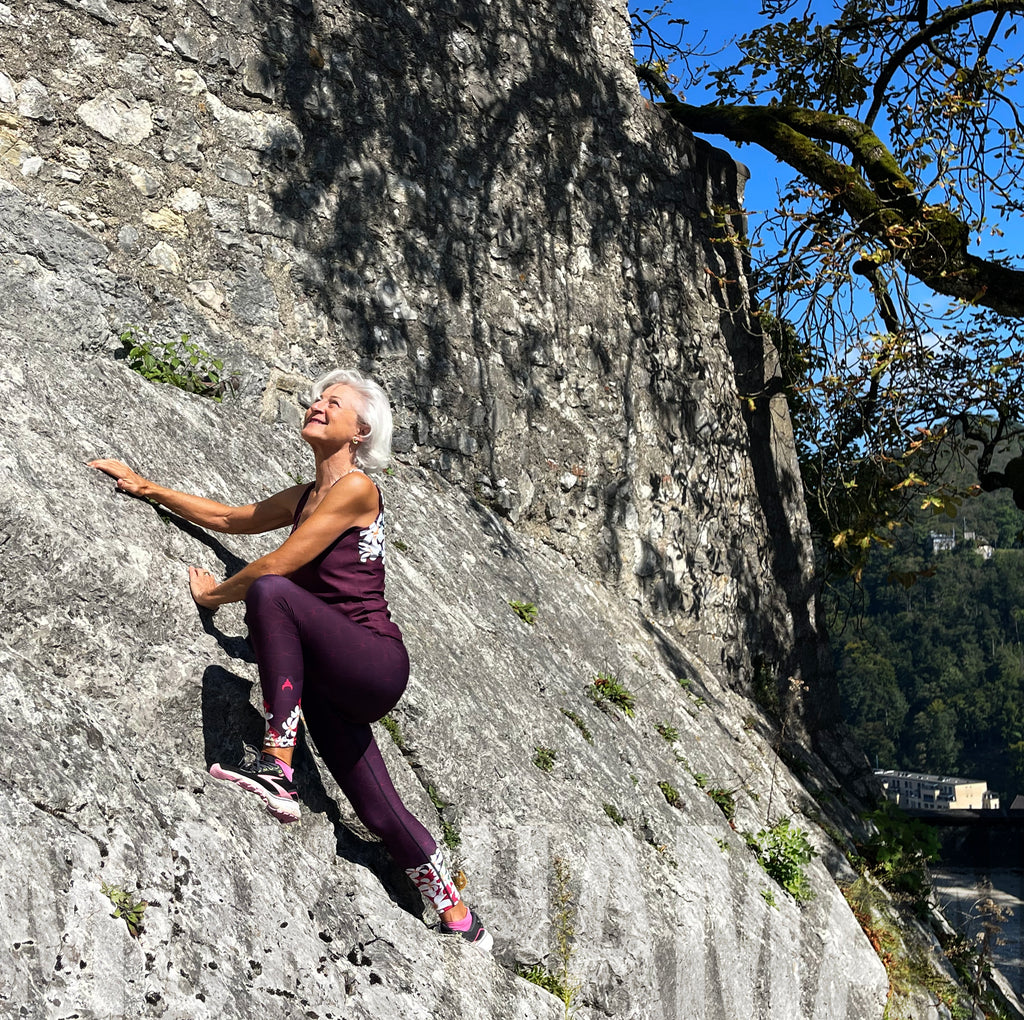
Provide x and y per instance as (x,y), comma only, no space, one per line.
(333,419)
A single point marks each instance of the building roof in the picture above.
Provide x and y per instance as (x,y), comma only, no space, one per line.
(922,777)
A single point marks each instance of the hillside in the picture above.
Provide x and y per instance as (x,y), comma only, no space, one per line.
(931,660)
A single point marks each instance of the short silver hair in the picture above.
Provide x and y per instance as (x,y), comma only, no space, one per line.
(374,411)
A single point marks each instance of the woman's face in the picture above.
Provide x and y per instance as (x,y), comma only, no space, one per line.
(333,419)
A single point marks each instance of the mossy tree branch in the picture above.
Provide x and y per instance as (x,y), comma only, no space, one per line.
(929,241)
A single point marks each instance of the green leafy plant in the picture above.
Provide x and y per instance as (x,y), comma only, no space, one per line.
(129,909)
(559,980)
(725,800)
(669,733)
(769,897)
(783,851)
(606,690)
(543,978)
(544,758)
(526,611)
(579,724)
(614,814)
(670,793)
(182,363)
(899,850)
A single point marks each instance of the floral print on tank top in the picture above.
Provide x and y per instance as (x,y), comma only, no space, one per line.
(371,541)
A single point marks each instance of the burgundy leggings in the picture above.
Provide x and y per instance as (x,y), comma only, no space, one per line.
(344,676)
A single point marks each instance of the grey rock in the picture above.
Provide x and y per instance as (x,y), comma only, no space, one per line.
(165,258)
(257,79)
(128,239)
(224,49)
(34,101)
(118,116)
(208,294)
(99,10)
(187,46)
(186,200)
(229,171)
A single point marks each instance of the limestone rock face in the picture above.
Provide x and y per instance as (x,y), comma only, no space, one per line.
(475,204)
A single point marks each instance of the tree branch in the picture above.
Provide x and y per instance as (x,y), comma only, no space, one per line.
(930,241)
(943,22)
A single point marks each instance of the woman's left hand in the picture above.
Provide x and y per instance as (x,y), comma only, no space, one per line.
(201,583)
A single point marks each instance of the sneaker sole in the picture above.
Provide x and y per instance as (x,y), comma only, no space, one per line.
(283,810)
(484,944)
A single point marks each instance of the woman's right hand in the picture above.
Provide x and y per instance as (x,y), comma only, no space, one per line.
(126,479)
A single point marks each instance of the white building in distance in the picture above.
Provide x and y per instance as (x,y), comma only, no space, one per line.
(916,791)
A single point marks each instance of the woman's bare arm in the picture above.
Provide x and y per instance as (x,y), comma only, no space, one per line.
(274,512)
(351,502)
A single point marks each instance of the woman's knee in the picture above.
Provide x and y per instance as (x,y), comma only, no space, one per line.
(268,589)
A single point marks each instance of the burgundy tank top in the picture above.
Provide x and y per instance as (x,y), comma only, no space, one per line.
(349,573)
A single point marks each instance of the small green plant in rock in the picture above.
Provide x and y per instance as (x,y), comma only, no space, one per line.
(670,793)
(614,814)
(559,980)
(766,691)
(526,611)
(182,363)
(400,546)
(544,758)
(606,690)
(783,851)
(769,897)
(685,682)
(579,724)
(449,831)
(700,778)
(725,800)
(390,723)
(667,732)
(545,979)
(129,909)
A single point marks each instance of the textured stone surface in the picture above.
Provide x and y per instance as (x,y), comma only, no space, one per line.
(476,204)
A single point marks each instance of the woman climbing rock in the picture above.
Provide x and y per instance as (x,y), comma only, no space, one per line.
(319,625)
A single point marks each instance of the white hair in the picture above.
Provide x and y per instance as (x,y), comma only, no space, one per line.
(373,411)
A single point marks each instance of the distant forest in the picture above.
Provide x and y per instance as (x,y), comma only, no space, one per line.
(931,670)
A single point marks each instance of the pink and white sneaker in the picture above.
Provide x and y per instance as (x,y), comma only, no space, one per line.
(264,775)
